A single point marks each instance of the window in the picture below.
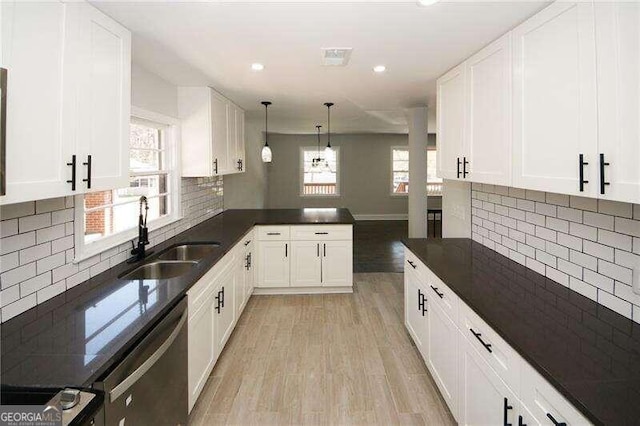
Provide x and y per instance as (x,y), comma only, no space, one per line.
(111,217)
(400,172)
(320,175)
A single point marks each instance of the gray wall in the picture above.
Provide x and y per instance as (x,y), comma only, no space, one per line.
(365,173)
(249,190)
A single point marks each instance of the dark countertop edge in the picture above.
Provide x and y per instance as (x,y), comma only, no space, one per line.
(579,405)
(109,276)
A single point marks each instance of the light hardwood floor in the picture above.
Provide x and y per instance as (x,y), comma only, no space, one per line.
(326,359)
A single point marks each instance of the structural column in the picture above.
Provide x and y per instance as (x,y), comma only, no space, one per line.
(417,121)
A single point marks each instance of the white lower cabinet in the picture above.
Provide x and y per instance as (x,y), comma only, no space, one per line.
(201,349)
(443,355)
(483,380)
(305,258)
(484,398)
(224,308)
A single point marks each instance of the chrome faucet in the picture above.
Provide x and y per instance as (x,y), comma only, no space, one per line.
(139,252)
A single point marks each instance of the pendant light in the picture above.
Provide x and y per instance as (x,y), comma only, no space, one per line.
(266,150)
(328,151)
(316,162)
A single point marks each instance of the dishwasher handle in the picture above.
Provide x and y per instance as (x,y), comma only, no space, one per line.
(124,385)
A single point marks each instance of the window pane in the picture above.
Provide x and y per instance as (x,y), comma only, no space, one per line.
(320,176)
(144,160)
(401,154)
(400,182)
(145,137)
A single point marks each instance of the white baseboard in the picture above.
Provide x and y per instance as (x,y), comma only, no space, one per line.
(300,290)
(381,216)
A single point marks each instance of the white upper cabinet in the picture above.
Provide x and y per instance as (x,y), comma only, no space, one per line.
(451,110)
(210,132)
(554,102)
(618,76)
(104,107)
(489,113)
(40,140)
(68,97)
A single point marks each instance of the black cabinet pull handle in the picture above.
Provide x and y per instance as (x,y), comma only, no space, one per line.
(507,407)
(286,250)
(215,166)
(487,346)
(440,295)
(458,168)
(222,303)
(555,422)
(413,265)
(246,243)
(73,172)
(88,164)
(422,306)
(273,233)
(521,422)
(217,308)
(324,249)
(247,262)
(603,181)
(250,259)
(240,165)
(464,167)
(318,250)
(581,164)
(322,233)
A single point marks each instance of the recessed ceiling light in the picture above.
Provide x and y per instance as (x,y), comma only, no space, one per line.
(379,68)
(427,2)
(257,66)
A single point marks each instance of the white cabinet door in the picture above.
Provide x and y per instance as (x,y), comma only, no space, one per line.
(485,399)
(416,310)
(202,348)
(554,108)
(220,134)
(240,149)
(40,138)
(451,110)
(306,264)
(273,264)
(224,307)
(250,272)
(489,116)
(618,53)
(104,92)
(337,263)
(443,355)
(240,278)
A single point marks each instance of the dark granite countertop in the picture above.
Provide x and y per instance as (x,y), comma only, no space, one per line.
(77,336)
(590,353)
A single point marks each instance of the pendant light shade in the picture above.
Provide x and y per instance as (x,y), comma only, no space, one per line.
(328,151)
(267,156)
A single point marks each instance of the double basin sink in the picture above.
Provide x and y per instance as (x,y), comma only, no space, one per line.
(173,262)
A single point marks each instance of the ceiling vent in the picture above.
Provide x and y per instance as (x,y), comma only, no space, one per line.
(336,57)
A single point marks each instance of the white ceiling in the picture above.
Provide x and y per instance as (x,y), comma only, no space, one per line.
(214,43)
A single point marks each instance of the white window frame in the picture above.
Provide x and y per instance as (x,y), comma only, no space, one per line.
(172,141)
(397,147)
(336,152)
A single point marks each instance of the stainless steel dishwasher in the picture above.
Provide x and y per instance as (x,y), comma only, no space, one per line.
(149,386)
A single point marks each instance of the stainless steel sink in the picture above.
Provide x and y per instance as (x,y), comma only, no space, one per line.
(159,270)
(188,252)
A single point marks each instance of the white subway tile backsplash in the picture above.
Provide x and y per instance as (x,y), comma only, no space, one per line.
(46,248)
(615,303)
(583,231)
(8,228)
(591,245)
(615,208)
(600,281)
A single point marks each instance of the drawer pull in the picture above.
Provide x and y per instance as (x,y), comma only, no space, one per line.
(555,422)
(413,265)
(507,407)
(520,422)
(487,346)
(273,233)
(440,295)
(246,243)
(322,233)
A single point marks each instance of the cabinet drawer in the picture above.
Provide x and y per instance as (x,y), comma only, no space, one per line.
(412,262)
(273,233)
(544,403)
(321,232)
(500,356)
(442,296)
